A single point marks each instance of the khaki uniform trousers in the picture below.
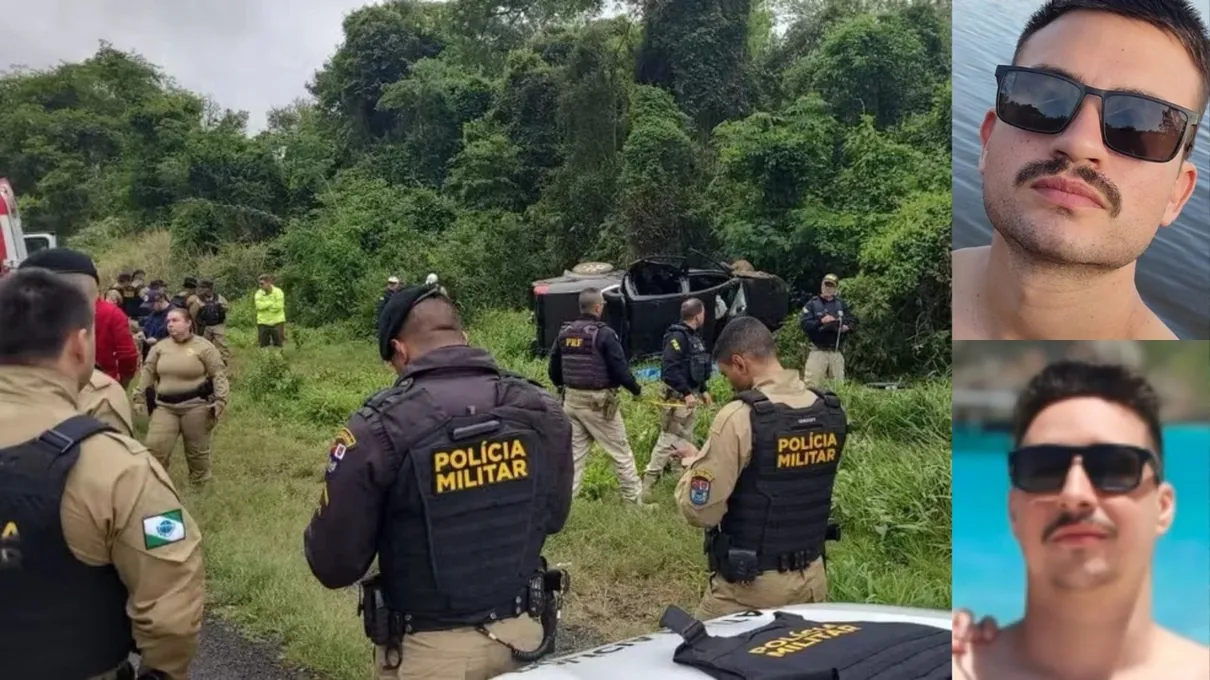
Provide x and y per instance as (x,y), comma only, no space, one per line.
(770,589)
(191,420)
(676,429)
(462,653)
(823,364)
(596,416)
(217,335)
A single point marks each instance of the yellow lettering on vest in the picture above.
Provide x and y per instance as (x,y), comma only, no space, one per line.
(804,442)
(490,462)
(798,640)
(572,342)
(10,531)
(806,458)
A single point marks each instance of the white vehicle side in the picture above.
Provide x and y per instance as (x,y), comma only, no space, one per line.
(650,656)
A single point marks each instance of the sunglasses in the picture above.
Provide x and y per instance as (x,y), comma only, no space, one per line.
(1132,124)
(1112,468)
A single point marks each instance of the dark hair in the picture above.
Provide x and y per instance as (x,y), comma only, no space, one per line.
(745,336)
(691,308)
(157,283)
(184,312)
(1176,17)
(205,283)
(124,277)
(1114,383)
(39,310)
(140,272)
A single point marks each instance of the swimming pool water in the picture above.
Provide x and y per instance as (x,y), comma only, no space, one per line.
(989,574)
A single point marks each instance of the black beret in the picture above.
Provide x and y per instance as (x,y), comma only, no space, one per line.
(62,261)
(396,312)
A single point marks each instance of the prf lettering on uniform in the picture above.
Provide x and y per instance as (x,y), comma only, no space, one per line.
(801,450)
(799,640)
(491,462)
(572,342)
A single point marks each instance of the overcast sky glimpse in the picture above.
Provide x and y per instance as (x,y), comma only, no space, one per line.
(246,54)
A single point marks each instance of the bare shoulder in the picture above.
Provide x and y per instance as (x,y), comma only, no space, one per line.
(1183,658)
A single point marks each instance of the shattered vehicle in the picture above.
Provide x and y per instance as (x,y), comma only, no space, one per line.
(642,300)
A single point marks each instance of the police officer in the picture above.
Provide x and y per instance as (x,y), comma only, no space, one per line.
(103,397)
(588,364)
(827,322)
(187,298)
(454,477)
(686,370)
(765,525)
(210,312)
(392,288)
(98,557)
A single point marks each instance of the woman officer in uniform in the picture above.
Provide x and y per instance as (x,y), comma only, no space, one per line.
(190,394)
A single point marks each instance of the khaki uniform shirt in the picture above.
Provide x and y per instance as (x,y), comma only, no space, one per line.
(178,367)
(105,399)
(114,485)
(729,448)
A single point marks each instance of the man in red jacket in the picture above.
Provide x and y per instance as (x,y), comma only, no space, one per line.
(117,355)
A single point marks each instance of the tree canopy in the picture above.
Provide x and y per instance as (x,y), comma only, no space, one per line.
(498,142)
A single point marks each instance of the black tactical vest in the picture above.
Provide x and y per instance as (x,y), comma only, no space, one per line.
(583,362)
(131,302)
(211,313)
(59,617)
(699,358)
(465,522)
(795,648)
(782,499)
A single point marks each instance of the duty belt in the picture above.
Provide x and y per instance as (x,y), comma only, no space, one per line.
(203,390)
(419,623)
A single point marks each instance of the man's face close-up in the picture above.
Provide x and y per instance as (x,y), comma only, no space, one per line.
(1135,197)
(1077,536)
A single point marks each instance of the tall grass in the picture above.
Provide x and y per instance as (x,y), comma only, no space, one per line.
(892,497)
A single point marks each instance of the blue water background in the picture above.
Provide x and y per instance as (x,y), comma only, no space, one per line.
(989,574)
(1173,275)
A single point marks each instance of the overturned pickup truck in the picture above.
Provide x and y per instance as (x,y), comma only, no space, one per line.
(645,298)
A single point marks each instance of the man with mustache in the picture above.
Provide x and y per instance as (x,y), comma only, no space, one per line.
(1085,155)
(1088,504)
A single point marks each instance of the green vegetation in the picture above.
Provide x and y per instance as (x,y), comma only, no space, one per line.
(497,143)
(892,499)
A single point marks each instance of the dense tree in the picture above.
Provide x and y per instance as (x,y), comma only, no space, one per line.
(500,141)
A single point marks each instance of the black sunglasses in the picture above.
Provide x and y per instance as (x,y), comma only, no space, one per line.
(1132,124)
(1112,468)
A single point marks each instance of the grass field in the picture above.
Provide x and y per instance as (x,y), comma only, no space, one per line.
(892,498)
(892,495)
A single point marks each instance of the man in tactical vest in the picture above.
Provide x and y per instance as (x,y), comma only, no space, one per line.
(125,295)
(187,298)
(827,322)
(454,477)
(211,318)
(91,527)
(765,526)
(588,364)
(686,370)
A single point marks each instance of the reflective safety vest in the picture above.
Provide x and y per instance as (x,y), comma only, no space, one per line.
(699,358)
(465,523)
(783,497)
(59,617)
(583,362)
(795,648)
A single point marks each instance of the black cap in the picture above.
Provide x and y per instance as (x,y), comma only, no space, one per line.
(190,282)
(396,312)
(206,283)
(62,261)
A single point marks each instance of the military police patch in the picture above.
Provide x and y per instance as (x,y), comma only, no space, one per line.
(699,488)
(340,445)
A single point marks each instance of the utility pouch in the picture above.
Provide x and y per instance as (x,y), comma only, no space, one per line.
(382,626)
(742,566)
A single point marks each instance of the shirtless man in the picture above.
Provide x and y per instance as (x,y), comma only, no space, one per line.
(1074,191)
(1088,503)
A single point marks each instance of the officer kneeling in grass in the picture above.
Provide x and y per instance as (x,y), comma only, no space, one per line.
(765,506)
(98,558)
(454,477)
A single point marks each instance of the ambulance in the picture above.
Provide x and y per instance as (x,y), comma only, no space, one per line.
(16,245)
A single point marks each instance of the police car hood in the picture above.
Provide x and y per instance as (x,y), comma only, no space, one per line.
(650,656)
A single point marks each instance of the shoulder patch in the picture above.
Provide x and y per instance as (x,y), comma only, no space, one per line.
(163,529)
(341,444)
(699,487)
(676,345)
